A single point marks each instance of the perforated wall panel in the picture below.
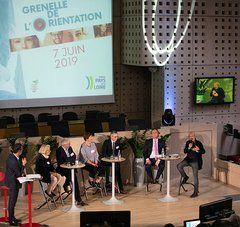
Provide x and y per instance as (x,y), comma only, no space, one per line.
(209,48)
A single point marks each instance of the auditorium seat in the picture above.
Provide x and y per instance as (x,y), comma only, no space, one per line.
(26,118)
(52,118)
(43,117)
(30,129)
(3,123)
(103,116)
(93,125)
(139,124)
(10,120)
(70,116)
(92,114)
(60,128)
(116,123)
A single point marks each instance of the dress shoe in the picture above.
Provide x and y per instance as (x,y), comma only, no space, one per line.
(67,188)
(92,183)
(14,223)
(81,203)
(185,179)
(123,192)
(53,194)
(17,220)
(50,195)
(195,194)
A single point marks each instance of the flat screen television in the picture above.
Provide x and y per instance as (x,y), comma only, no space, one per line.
(216,210)
(214,90)
(105,219)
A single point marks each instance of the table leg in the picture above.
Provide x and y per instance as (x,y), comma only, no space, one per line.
(113,200)
(168,197)
(30,224)
(73,207)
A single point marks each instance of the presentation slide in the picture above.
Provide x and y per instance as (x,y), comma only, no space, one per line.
(55,52)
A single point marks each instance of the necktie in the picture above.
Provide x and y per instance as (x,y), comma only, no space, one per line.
(113,148)
(155,148)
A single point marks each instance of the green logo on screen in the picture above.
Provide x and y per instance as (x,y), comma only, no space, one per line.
(90,85)
(96,83)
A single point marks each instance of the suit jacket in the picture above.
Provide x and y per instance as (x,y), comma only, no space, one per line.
(193,156)
(13,170)
(44,167)
(147,150)
(62,158)
(107,150)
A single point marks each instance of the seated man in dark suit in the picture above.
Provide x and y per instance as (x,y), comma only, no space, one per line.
(194,150)
(14,169)
(152,149)
(111,147)
(65,154)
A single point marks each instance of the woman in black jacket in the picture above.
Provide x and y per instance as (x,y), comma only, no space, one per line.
(45,168)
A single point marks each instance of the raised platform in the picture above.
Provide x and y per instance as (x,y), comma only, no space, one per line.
(146,210)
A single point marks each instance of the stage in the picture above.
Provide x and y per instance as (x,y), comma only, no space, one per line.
(146,210)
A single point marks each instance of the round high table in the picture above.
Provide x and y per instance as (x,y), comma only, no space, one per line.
(73,207)
(113,200)
(168,197)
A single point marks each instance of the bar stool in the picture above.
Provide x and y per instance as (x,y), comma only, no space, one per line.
(5,191)
(154,169)
(181,185)
(100,189)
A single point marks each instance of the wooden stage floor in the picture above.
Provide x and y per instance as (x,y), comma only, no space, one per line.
(146,210)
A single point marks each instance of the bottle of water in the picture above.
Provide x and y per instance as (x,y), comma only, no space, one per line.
(119,155)
(163,153)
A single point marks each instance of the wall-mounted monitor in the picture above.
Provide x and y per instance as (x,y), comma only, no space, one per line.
(214,90)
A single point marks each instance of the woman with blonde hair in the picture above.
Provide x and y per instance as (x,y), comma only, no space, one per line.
(45,168)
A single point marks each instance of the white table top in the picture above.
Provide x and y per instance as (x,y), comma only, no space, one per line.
(170,157)
(116,159)
(78,166)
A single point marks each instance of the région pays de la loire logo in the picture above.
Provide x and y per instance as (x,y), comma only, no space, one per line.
(96,83)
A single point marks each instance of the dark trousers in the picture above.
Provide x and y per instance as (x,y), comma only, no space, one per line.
(13,195)
(68,181)
(117,174)
(94,170)
(160,168)
(194,166)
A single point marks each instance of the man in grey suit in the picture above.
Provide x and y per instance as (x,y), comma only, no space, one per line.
(14,169)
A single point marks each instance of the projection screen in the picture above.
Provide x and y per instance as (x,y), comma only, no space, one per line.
(55,52)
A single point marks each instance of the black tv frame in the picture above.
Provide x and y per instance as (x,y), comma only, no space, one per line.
(113,218)
(213,77)
(216,210)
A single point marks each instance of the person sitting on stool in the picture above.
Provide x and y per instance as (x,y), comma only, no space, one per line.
(65,154)
(111,147)
(151,151)
(45,168)
(194,150)
(89,156)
